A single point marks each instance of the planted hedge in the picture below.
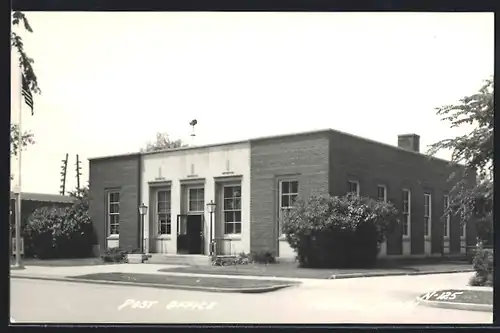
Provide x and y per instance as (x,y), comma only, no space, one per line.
(330,232)
(55,232)
(483,265)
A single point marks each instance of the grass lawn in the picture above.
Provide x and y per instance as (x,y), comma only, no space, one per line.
(290,269)
(207,282)
(463,296)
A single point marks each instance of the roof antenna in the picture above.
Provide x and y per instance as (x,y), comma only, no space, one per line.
(193,135)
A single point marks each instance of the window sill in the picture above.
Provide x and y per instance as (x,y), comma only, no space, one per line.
(113,237)
(446,238)
(163,237)
(233,236)
(406,238)
(462,238)
(282,238)
(427,238)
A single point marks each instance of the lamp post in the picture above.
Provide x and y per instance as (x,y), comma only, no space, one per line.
(143,210)
(211,209)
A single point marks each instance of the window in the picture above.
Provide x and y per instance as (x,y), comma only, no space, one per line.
(288,194)
(113,213)
(164,216)
(353,187)
(196,199)
(462,229)
(232,209)
(427,214)
(447,219)
(406,213)
(382,193)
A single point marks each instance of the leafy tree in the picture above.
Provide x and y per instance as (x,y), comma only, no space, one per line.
(472,193)
(163,142)
(29,77)
(28,139)
(62,232)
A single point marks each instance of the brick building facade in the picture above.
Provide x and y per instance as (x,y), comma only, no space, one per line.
(264,175)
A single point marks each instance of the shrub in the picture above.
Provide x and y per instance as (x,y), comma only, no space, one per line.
(240,259)
(484,228)
(244,258)
(115,255)
(263,257)
(483,265)
(54,232)
(224,261)
(346,231)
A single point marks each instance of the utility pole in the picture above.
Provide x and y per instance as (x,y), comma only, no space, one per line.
(64,167)
(78,172)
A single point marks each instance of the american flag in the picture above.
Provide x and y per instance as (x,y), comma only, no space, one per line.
(26,92)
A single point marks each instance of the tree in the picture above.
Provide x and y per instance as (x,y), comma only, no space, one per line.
(61,232)
(28,139)
(163,142)
(474,151)
(30,80)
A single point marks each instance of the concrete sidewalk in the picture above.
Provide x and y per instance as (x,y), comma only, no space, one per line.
(68,271)
(420,282)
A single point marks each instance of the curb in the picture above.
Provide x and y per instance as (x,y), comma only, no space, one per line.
(17,268)
(381,274)
(456,306)
(254,290)
(238,276)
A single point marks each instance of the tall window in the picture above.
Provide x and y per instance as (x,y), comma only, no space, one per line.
(196,199)
(406,225)
(288,194)
(382,193)
(447,219)
(427,214)
(353,186)
(164,214)
(232,209)
(113,213)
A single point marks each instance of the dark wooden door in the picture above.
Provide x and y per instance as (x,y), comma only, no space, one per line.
(195,234)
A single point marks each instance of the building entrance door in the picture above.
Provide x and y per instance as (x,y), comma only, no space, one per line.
(190,234)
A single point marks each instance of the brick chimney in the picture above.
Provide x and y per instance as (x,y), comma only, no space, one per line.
(409,142)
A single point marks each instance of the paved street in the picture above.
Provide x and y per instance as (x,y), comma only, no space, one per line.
(364,300)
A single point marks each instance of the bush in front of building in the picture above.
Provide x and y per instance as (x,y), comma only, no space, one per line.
(115,255)
(263,257)
(331,232)
(55,232)
(483,265)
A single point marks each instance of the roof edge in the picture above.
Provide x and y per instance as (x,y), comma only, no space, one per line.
(279,136)
(213,145)
(271,137)
(113,156)
(397,147)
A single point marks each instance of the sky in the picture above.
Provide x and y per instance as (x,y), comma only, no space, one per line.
(110,81)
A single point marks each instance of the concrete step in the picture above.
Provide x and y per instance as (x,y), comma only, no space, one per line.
(179,259)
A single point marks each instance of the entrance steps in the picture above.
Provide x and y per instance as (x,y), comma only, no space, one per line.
(179,259)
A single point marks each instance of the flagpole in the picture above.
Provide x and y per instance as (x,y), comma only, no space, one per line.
(18,263)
